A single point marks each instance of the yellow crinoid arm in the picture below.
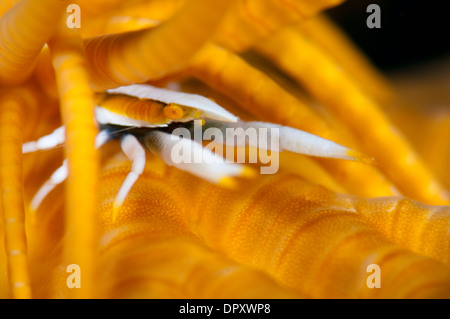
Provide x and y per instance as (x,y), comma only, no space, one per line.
(335,42)
(11,182)
(129,16)
(264,98)
(308,239)
(24,29)
(138,56)
(250,21)
(150,252)
(421,228)
(77,108)
(325,80)
(5,5)
(256,92)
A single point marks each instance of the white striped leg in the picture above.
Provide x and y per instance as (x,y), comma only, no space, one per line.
(57,178)
(136,154)
(54,139)
(61,174)
(192,157)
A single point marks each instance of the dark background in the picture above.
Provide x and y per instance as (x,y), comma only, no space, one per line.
(412,32)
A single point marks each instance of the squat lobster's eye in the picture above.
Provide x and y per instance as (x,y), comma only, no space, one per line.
(155,113)
(173,111)
(172,105)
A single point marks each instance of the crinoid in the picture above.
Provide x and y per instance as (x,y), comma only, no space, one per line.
(139,206)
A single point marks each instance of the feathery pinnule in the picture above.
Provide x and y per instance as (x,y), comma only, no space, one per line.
(265,99)
(324,79)
(24,29)
(149,54)
(77,108)
(11,181)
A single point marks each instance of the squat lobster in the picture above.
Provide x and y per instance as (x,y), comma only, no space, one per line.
(142,115)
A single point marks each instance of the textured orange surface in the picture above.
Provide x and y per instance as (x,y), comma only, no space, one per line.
(309,231)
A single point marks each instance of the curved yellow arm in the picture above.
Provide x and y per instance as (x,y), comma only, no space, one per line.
(338,46)
(311,240)
(341,94)
(250,21)
(24,29)
(149,251)
(77,107)
(142,14)
(264,98)
(149,54)
(421,228)
(11,182)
